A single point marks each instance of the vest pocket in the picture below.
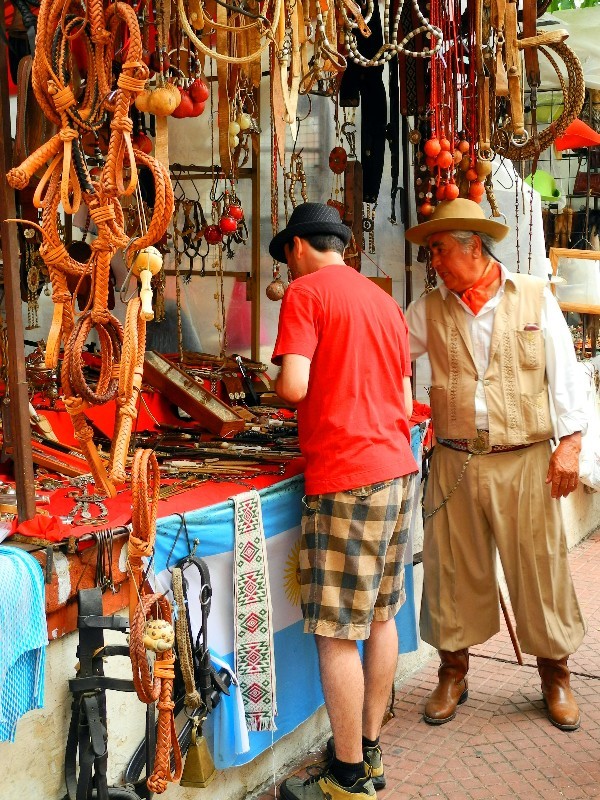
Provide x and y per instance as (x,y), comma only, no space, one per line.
(530,349)
(438,399)
(535,418)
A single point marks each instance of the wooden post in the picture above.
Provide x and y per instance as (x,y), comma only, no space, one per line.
(408,287)
(17,380)
(408,260)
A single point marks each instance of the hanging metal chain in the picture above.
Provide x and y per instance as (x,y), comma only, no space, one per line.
(517,224)
(452,490)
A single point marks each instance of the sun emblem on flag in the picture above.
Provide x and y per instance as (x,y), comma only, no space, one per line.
(291,574)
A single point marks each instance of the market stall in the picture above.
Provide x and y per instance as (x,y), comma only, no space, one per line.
(154,151)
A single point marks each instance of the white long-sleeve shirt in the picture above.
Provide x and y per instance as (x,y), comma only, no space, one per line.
(564,378)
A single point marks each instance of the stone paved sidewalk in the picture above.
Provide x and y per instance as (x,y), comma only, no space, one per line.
(501,744)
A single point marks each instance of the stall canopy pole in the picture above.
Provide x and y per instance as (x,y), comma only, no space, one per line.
(255,287)
(17,379)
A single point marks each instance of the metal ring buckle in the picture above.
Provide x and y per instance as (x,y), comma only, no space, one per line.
(520,140)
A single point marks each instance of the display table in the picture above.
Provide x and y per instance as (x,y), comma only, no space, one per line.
(201,521)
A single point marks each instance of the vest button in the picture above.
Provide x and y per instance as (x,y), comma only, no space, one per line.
(487,382)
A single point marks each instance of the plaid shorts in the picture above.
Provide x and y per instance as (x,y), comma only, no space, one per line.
(352,558)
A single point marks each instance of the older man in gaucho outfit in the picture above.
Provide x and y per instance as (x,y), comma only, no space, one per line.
(500,352)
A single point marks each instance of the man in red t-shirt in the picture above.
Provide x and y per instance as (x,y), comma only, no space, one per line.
(343,349)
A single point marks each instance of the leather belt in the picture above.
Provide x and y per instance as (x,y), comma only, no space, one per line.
(480,445)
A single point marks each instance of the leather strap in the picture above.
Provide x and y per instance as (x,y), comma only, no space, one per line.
(513,69)
(483,100)
(368,83)
(353,201)
(413,77)
(278,109)
(532,66)
(86,753)
(290,92)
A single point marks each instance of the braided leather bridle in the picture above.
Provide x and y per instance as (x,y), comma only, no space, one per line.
(67,182)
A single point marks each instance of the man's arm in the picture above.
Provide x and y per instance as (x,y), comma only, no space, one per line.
(292,382)
(565,388)
(417,328)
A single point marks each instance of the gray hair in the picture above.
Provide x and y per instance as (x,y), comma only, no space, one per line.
(464,239)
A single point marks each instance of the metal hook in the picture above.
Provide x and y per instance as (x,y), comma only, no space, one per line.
(182,527)
(125,286)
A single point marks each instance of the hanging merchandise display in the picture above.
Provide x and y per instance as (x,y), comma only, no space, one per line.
(134,246)
(476,99)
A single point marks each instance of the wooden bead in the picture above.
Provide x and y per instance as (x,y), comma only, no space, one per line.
(149,258)
(432,148)
(483,168)
(445,159)
(164,100)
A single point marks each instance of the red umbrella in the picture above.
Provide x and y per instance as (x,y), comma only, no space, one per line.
(578,134)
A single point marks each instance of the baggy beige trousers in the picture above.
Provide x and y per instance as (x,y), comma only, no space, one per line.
(502,502)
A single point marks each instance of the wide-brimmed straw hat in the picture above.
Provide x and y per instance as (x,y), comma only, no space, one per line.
(457,215)
(309,219)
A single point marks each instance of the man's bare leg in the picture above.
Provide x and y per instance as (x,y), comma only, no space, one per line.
(343,688)
(379,667)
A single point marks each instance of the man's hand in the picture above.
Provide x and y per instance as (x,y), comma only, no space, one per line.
(563,471)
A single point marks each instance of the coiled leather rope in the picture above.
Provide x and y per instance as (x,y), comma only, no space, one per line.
(573,90)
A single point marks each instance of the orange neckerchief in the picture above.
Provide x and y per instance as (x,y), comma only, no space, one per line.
(476,297)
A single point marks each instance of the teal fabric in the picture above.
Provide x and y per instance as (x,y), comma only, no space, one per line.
(24,638)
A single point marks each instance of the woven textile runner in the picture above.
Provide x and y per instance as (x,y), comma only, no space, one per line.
(253,615)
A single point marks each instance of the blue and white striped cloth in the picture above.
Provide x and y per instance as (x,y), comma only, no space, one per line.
(24,638)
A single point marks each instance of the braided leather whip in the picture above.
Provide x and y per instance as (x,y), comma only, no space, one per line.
(158,686)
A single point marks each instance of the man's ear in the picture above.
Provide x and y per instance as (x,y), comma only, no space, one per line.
(298,245)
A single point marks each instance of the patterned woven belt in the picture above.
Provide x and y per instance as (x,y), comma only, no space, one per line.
(480,445)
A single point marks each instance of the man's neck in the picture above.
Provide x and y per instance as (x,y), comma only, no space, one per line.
(322,260)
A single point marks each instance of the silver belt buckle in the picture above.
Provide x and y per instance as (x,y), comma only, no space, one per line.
(480,445)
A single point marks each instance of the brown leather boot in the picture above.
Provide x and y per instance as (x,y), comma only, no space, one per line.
(562,706)
(452,689)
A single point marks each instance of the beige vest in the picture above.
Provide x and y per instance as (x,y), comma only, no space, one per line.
(515,383)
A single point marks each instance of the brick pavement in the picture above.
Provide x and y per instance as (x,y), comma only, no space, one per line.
(501,744)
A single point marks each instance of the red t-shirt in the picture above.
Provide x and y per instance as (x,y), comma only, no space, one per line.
(352,424)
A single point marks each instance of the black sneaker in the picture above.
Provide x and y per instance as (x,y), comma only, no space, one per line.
(373,759)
